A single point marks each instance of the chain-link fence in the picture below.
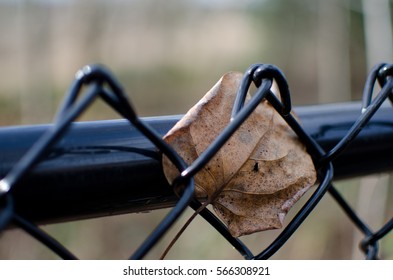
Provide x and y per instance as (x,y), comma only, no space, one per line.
(93,82)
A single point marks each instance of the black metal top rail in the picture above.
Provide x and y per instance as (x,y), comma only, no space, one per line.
(108,167)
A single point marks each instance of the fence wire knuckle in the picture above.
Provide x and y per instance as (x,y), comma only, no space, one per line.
(95,81)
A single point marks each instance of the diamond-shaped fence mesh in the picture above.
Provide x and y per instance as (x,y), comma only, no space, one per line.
(21,201)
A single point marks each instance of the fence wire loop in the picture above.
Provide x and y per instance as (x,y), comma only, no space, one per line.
(256,73)
(385,73)
(95,81)
(382,73)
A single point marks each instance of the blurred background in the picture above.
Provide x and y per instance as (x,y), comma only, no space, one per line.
(167,55)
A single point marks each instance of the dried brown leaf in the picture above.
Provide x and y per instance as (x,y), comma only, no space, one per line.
(260,172)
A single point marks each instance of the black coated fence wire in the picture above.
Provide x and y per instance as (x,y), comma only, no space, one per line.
(95,81)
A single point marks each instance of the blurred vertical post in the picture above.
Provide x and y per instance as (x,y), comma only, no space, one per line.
(378,31)
(373,191)
(333,66)
(333,52)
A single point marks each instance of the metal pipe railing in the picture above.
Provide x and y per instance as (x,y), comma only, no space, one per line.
(107,167)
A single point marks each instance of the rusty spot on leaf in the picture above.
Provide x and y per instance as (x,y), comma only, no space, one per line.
(255,178)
